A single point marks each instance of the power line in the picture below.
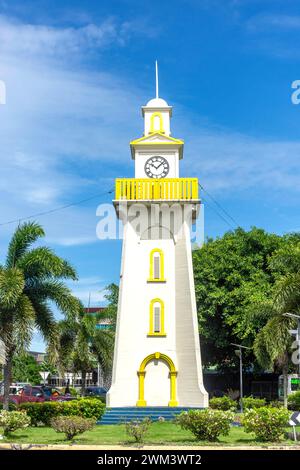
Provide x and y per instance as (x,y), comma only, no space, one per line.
(220,207)
(57,209)
(218,213)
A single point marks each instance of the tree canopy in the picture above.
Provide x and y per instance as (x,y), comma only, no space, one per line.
(233,273)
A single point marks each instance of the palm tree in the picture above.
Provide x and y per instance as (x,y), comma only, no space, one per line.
(83,345)
(29,280)
(273,342)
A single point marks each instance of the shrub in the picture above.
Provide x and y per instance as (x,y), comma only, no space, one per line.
(85,407)
(206,425)
(294,401)
(74,392)
(267,423)
(250,402)
(11,406)
(275,404)
(42,413)
(223,403)
(138,428)
(10,421)
(71,426)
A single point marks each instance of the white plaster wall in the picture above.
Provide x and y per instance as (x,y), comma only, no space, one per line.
(132,343)
(190,388)
(182,341)
(142,156)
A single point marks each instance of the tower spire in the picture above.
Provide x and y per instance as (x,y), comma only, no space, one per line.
(156,78)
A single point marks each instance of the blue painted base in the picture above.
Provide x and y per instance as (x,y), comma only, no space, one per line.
(122,415)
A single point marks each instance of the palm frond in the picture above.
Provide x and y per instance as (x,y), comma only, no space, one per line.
(57,292)
(11,286)
(287,295)
(24,236)
(47,326)
(42,262)
(24,322)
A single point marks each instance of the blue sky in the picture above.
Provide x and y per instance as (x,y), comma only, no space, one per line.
(76,74)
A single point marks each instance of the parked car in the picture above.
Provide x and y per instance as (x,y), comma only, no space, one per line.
(37,394)
(95,391)
(14,388)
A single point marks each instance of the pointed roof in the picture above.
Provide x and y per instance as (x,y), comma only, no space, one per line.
(157,139)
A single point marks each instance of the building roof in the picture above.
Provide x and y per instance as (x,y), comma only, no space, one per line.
(94,309)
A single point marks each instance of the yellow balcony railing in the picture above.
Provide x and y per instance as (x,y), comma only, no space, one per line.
(149,189)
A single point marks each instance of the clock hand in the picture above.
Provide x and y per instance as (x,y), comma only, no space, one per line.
(159,165)
(153,169)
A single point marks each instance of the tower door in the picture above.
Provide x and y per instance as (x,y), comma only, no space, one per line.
(157,381)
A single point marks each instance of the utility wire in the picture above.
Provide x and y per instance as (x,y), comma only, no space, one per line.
(220,207)
(57,209)
(218,213)
(82,201)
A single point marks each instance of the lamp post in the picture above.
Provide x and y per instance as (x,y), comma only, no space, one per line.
(239,353)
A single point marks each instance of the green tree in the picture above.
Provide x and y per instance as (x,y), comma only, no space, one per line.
(25,369)
(83,344)
(272,345)
(231,274)
(30,279)
(111,310)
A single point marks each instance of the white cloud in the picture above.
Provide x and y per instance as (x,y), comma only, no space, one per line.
(266,22)
(64,131)
(224,159)
(89,289)
(30,39)
(61,129)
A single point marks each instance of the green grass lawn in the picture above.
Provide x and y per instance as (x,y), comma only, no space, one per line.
(159,434)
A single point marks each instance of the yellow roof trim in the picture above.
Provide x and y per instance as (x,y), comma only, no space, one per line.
(172,140)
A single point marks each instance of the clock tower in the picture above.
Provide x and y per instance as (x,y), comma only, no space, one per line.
(157,360)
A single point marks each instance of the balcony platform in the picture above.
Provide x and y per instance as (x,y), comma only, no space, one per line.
(149,190)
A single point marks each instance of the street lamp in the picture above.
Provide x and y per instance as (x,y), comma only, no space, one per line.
(238,352)
(295,332)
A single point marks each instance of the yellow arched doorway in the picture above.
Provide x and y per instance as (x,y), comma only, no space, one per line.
(142,372)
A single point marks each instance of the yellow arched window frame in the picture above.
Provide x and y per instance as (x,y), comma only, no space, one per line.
(153,127)
(157,253)
(157,326)
(172,374)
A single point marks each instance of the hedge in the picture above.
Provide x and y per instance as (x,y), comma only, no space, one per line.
(11,406)
(250,403)
(267,423)
(206,425)
(294,401)
(42,413)
(223,403)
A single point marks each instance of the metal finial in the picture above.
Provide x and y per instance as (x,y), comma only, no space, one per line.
(156,76)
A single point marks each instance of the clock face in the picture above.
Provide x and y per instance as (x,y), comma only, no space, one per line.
(157,167)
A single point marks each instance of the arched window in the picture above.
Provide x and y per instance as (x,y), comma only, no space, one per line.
(157,266)
(157,318)
(156,123)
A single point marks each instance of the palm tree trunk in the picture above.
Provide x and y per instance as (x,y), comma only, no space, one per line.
(285,371)
(7,373)
(83,380)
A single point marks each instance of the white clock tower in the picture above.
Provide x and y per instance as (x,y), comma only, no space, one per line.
(157,360)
